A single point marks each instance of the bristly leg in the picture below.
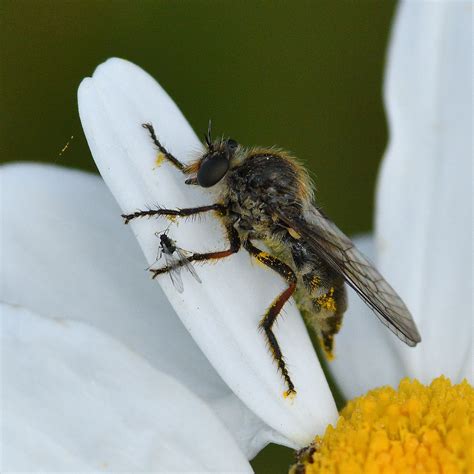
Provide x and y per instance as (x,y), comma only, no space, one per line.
(187,212)
(161,148)
(234,247)
(274,310)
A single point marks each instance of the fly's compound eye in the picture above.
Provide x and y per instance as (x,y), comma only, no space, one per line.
(212,170)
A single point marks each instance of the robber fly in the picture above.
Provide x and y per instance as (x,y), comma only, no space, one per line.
(175,260)
(265,194)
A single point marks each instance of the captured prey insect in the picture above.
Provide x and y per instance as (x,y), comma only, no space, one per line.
(175,260)
(264,194)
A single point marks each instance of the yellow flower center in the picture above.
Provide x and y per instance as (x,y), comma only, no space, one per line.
(417,429)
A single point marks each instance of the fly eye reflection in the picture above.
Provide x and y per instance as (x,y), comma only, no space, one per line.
(214,167)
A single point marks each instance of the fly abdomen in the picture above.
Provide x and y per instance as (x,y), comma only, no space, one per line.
(321,297)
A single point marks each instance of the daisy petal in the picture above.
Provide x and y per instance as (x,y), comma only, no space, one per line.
(65,252)
(222,313)
(74,398)
(424,206)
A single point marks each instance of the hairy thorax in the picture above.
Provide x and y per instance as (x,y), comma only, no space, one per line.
(262,182)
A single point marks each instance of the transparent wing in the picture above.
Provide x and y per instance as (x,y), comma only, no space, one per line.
(172,262)
(341,254)
(187,264)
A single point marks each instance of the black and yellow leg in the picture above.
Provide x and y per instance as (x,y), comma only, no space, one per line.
(234,247)
(162,149)
(275,308)
(191,211)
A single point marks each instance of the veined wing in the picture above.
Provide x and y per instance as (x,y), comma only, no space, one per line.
(172,262)
(187,264)
(340,253)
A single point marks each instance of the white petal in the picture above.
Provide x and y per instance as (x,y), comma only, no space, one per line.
(363,359)
(424,207)
(223,313)
(66,252)
(74,398)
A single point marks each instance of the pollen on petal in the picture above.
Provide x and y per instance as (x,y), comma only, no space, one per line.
(160,158)
(414,429)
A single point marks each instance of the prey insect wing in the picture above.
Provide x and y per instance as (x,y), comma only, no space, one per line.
(175,259)
(187,264)
(172,262)
(340,253)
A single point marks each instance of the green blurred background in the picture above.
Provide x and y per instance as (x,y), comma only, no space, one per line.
(305,75)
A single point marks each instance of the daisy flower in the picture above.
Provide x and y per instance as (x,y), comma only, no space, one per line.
(423,245)
(99,372)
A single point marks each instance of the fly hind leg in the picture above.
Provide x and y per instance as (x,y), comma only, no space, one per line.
(266,323)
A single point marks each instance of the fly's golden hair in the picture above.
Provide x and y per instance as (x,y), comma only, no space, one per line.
(305,186)
(193,167)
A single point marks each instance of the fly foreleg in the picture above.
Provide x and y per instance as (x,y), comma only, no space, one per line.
(187,212)
(266,323)
(173,160)
(234,247)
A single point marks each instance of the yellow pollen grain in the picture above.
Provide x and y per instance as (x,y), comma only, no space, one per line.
(289,394)
(415,429)
(327,301)
(329,354)
(160,157)
(261,257)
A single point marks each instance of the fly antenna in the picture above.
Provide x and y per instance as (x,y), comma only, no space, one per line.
(163,231)
(208,137)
